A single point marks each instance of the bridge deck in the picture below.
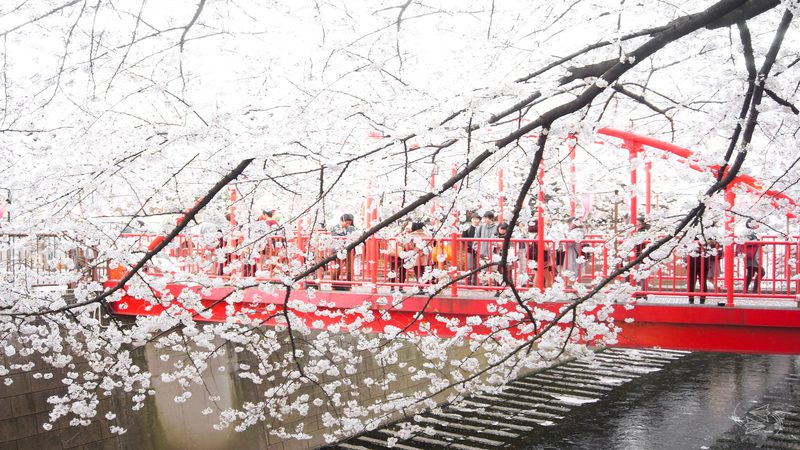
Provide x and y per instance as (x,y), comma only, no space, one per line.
(750,326)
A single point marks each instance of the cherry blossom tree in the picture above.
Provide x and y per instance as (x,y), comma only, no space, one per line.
(116,112)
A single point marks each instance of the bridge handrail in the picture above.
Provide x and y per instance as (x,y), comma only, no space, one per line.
(374,264)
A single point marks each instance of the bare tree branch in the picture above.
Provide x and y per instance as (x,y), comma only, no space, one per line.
(40,17)
(188,26)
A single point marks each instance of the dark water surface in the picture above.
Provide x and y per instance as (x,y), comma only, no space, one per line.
(691,404)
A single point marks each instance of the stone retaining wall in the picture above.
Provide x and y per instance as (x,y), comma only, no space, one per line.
(164,424)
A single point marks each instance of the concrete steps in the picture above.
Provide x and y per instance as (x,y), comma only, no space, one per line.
(502,420)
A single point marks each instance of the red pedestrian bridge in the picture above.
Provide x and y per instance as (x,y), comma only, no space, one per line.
(736,309)
(355,291)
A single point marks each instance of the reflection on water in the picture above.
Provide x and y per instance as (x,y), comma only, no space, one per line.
(688,405)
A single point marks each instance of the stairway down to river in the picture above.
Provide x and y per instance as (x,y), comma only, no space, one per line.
(536,401)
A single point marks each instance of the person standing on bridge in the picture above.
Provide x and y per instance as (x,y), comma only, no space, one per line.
(487,230)
(532,253)
(421,244)
(573,251)
(273,255)
(752,258)
(470,233)
(698,264)
(344,228)
(502,231)
(229,237)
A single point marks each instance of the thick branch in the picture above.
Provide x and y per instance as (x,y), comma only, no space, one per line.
(749,10)
(587,71)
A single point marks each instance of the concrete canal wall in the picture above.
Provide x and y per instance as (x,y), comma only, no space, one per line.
(165,424)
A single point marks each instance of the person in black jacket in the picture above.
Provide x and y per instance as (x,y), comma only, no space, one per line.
(698,262)
(470,233)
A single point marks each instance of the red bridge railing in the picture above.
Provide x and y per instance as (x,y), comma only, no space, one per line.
(401,264)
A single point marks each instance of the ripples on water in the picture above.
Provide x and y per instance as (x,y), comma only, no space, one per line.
(691,404)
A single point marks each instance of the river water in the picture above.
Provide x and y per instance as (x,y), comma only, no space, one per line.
(705,400)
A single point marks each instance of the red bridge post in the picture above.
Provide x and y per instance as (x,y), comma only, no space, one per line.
(730,197)
(540,265)
(453,268)
(373,250)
